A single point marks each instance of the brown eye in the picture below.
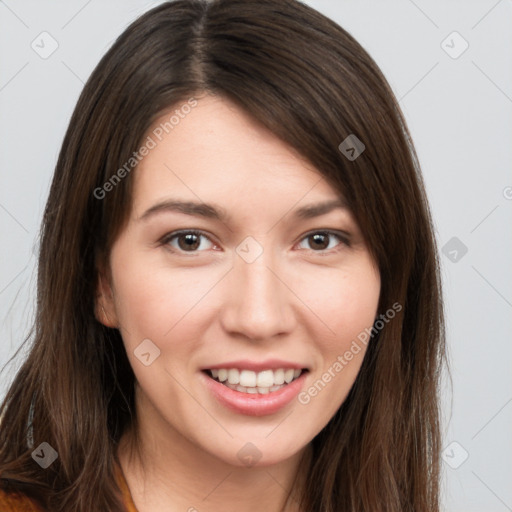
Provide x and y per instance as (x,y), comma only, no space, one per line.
(323,241)
(319,241)
(188,241)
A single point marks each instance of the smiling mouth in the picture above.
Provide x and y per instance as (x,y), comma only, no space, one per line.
(248,381)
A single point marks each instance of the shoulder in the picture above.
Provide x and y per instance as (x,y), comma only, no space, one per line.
(17,502)
(12,500)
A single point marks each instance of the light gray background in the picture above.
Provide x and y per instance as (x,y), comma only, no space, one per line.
(459,113)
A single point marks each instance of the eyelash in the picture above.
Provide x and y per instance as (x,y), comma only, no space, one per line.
(342,237)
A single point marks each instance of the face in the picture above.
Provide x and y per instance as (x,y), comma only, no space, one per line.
(238,257)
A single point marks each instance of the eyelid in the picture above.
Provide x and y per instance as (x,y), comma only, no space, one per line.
(343,236)
(166,239)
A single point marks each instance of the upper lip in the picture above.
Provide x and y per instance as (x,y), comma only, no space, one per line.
(255,366)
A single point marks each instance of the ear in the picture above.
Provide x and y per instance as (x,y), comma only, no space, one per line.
(104,306)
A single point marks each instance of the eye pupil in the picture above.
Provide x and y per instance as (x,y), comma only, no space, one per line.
(320,240)
(192,241)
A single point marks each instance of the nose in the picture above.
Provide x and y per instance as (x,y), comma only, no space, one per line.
(258,303)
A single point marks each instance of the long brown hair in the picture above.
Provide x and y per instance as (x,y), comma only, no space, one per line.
(310,83)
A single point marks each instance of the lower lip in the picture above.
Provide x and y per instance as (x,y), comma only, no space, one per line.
(254,404)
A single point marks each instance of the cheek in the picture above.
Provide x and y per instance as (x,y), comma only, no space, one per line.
(155,301)
(343,300)
(346,301)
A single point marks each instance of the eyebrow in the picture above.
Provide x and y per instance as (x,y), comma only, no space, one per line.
(210,211)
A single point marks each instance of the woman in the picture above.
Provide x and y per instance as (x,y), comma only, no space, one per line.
(238,290)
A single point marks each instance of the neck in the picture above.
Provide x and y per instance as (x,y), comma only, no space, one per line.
(166,471)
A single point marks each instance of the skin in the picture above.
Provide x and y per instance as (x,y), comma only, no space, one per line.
(297,301)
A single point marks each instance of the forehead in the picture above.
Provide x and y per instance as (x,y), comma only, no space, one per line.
(216,152)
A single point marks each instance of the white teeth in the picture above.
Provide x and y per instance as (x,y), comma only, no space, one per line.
(233,376)
(279,377)
(255,382)
(247,378)
(265,378)
(288,375)
(261,391)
